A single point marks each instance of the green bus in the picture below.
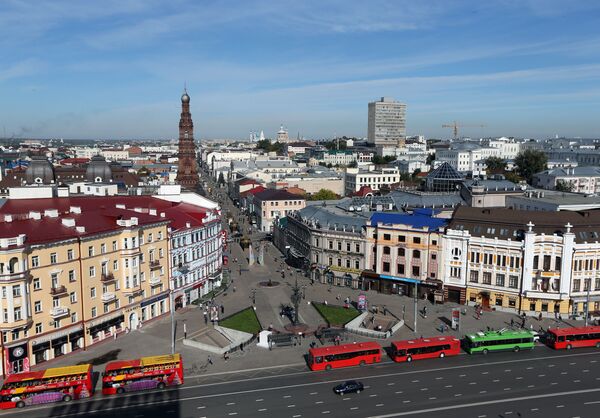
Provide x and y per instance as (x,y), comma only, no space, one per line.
(502,340)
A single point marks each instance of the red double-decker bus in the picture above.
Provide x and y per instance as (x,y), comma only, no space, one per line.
(345,355)
(153,372)
(575,337)
(45,386)
(421,348)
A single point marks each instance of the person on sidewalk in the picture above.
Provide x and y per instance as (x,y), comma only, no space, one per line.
(210,360)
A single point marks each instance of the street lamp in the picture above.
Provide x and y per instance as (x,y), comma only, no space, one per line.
(172,305)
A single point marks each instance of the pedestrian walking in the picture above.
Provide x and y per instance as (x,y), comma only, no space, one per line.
(222,308)
(540,316)
(184,331)
(210,359)
(512,322)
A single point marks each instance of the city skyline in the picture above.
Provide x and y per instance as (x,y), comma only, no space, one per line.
(527,69)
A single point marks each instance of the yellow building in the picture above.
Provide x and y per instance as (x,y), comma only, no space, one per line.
(76,274)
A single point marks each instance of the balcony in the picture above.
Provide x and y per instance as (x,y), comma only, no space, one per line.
(132,290)
(155,281)
(59,312)
(154,265)
(107,277)
(108,297)
(25,275)
(58,290)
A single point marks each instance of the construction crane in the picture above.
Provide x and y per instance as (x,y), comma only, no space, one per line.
(455,127)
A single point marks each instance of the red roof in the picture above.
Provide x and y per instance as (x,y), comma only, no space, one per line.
(98,214)
(253,191)
(574,330)
(243,182)
(74,161)
(363,191)
(344,348)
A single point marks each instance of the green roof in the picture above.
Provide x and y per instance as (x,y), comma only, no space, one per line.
(503,334)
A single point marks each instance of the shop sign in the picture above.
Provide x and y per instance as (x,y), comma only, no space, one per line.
(345,269)
(362,302)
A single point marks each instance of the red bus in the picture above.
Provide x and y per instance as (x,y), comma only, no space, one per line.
(345,355)
(575,337)
(45,386)
(153,372)
(420,348)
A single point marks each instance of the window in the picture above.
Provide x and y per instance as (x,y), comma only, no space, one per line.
(576,285)
(474,276)
(454,271)
(71,275)
(90,251)
(17,313)
(401,238)
(499,279)
(357,266)
(597,284)
(150,237)
(433,256)
(456,252)
(547,260)
(401,252)
(400,268)
(416,271)
(36,284)
(587,283)
(106,308)
(94,312)
(53,259)
(348,247)
(114,245)
(74,317)
(386,267)
(116,265)
(35,261)
(536,261)
(16,290)
(102,248)
(416,254)
(387,237)
(357,248)
(56,323)
(487,277)
(416,240)
(93,292)
(73,297)
(339,246)
(386,250)
(92,271)
(15,335)
(117,304)
(433,242)
(38,328)
(37,306)
(161,254)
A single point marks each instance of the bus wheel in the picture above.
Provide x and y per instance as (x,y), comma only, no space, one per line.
(328,367)
(516,349)
(485,351)
(67,398)
(569,346)
(442,355)
(362,363)
(161,385)
(409,359)
(20,404)
(120,390)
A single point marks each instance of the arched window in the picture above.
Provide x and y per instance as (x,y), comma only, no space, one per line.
(386,250)
(13,265)
(416,254)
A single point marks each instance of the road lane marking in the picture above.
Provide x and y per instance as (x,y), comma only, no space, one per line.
(222,394)
(461,375)
(373,395)
(507,370)
(432,398)
(296,416)
(506,388)
(291,406)
(531,386)
(415,381)
(563,372)
(354,408)
(405,401)
(391,384)
(483,391)
(318,402)
(287,396)
(519,378)
(472,383)
(326,412)
(576,381)
(591,402)
(529,368)
(534,409)
(457,395)
(484,403)
(438,378)
(553,383)
(262,409)
(398,392)
(424,389)
(585,370)
(448,386)
(560,406)
(484,372)
(201,407)
(230,403)
(233,413)
(379,404)
(259,400)
(496,380)
(313,393)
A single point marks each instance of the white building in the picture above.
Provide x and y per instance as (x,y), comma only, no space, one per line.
(575,179)
(357,178)
(387,122)
(464,156)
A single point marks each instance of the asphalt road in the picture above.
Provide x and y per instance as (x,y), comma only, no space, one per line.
(539,383)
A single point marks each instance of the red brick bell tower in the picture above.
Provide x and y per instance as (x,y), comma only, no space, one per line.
(187,171)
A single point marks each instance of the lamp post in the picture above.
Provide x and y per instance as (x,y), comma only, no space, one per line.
(172,306)
(416,309)
(587,302)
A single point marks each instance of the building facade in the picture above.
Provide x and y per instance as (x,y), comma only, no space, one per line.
(387,122)
(269,205)
(375,179)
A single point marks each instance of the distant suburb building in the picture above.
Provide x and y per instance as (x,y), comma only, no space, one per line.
(387,122)
(357,178)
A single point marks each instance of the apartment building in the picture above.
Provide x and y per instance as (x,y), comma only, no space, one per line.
(357,178)
(524,261)
(402,250)
(574,179)
(386,123)
(268,205)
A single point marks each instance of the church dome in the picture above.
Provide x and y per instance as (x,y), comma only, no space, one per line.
(40,171)
(185,98)
(98,170)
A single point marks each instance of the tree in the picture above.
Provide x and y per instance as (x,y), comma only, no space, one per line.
(512,176)
(353,164)
(430,159)
(564,186)
(416,172)
(379,160)
(529,162)
(267,146)
(324,194)
(221,180)
(495,165)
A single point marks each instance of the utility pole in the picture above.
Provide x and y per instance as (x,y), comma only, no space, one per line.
(172,306)
(587,301)
(416,308)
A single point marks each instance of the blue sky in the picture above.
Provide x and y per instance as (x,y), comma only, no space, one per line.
(116,68)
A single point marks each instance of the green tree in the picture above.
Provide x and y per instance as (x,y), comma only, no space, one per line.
(267,146)
(529,162)
(512,176)
(378,159)
(564,186)
(324,194)
(221,180)
(430,159)
(353,164)
(495,165)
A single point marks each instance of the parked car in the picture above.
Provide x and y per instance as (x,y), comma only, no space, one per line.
(351,386)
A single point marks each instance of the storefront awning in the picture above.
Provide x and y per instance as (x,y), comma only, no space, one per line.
(103,319)
(56,335)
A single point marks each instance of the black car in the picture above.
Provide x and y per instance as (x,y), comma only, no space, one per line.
(351,386)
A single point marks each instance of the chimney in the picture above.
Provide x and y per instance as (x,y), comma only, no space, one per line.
(162,214)
(120,206)
(80,229)
(75,209)
(8,218)
(35,215)
(51,213)
(68,222)
(188,225)
(152,212)
(139,210)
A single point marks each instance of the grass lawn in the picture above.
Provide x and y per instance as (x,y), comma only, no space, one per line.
(245,321)
(336,315)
